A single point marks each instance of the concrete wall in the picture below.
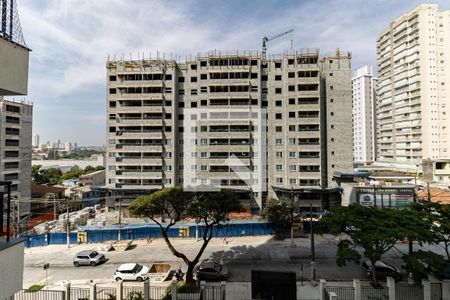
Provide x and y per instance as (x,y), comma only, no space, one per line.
(11,266)
(239,290)
(14,69)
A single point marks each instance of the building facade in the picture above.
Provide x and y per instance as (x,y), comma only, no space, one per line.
(413,60)
(231,120)
(15,151)
(364,116)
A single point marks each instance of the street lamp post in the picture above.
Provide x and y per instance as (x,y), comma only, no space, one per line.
(292,215)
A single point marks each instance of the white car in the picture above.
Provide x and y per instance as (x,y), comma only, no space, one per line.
(132,271)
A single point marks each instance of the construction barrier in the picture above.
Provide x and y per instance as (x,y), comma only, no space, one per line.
(95,234)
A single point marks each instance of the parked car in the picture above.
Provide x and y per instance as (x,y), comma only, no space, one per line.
(211,271)
(88,258)
(442,272)
(382,270)
(132,271)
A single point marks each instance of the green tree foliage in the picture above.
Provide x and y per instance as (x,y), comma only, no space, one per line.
(374,230)
(418,263)
(280,213)
(437,218)
(210,208)
(54,176)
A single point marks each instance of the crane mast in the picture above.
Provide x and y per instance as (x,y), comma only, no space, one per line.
(268,39)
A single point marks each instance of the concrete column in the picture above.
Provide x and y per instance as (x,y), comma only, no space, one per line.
(391,287)
(67,291)
(357,287)
(147,289)
(322,286)
(119,290)
(426,289)
(333,296)
(446,289)
(174,289)
(93,291)
(223,285)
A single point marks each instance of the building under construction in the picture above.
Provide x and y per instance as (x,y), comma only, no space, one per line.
(266,127)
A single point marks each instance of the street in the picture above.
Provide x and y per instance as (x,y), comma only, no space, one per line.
(241,254)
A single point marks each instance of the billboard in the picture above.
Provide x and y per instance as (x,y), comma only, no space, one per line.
(385,196)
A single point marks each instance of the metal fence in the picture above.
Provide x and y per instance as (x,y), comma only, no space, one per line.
(157,292)
(106,293)
(342,292)
(213,293)
(436,291)
(408,292)
(370,293)
(79,293)
(39,295)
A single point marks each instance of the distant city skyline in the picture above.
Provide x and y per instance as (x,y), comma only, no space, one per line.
(70,45)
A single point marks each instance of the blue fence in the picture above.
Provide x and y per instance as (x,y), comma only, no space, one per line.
(133,232)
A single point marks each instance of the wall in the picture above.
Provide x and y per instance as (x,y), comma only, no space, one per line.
(14,70)
(239,290)
(11,266)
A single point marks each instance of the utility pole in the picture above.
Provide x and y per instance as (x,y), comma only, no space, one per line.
(292,215)
(313,254)
(68,225)
(120,218)
(428,191)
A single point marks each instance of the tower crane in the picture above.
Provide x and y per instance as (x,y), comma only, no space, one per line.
(268,39)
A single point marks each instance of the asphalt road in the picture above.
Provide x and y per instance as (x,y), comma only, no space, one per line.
(240,254)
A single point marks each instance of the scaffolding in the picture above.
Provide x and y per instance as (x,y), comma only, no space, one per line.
(10,28)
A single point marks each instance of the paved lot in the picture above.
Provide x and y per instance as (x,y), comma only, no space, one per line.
(241,255)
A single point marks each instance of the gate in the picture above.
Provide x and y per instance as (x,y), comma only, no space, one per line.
(436,291)
(274,285)
(82,237)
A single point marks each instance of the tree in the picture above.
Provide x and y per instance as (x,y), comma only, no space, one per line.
(45,176)
(375,230)
(437,218)
(419,263)
(211,208)
(280,213)
(35,176)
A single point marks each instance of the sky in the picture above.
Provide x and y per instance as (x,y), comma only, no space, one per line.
(72,39)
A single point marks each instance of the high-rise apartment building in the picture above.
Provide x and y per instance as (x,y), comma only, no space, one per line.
(36,140)
(413,57)
(266,128)
(15,150)
(364,116)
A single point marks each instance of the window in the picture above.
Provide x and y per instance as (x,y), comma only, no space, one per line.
(264,78)
(112,78)
(291,127)
(193,79)
(204,89)
(204,168)
(279,141)
(277,90)
(203,63)
(277,65)
(292,140)
(279,180)
(180,92)
(278,116)
(277,77)
(279,167)
(180,79)
(193,67)
(292,168)
(290,61)
(168,76)
(291,75)
(292,114)
(291,154)
(278,154)
(278,129)
(292,101)
(204,154)
(291,88)
(293,181)
(204,102)
(112,91)
(194,92)
(203,76)
(253,75)
(278,103)
(193,104)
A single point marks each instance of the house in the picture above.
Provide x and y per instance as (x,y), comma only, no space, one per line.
(96,178)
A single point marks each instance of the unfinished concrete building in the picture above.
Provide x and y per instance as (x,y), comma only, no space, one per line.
(264,127)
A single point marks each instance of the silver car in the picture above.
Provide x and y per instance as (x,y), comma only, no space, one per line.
(88,258)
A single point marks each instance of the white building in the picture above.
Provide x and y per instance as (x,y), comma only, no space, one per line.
(68,146)
(413,56)
(36,140)
(364,116)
